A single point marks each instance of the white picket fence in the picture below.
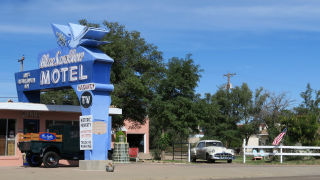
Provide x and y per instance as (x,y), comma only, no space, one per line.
(278,151)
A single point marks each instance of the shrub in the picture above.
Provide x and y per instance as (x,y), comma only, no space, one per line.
(120,133)
(156,154)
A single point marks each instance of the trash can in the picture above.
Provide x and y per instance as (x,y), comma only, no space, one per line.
(24,159)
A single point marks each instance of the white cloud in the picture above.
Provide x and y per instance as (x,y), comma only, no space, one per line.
(11,28)
(269,17)
(231,15)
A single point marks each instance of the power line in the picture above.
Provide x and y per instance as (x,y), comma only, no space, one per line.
(229,75)
(21,61)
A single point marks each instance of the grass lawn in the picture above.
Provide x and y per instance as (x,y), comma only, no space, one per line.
(286,161)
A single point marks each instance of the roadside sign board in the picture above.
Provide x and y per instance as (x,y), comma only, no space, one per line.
(86,99)
(86,87)
(86,132)
(77,63)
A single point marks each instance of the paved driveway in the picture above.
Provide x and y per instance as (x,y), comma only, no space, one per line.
(148,171)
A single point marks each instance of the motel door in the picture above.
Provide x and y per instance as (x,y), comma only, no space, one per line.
(30,126)
(136,140)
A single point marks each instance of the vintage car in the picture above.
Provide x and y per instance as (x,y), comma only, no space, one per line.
(211,150)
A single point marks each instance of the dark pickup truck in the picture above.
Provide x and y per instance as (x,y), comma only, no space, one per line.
(61,142)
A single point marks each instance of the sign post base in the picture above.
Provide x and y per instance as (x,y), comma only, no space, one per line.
(97,165)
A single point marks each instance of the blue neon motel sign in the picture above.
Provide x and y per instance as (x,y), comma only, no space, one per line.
(78,63)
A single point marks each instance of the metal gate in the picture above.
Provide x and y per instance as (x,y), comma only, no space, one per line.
(179,151)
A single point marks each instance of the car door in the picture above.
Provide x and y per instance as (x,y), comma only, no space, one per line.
(200,150)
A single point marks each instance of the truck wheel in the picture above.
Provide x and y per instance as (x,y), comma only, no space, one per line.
(194,159)
(51,159)
(230,161)
(34,160)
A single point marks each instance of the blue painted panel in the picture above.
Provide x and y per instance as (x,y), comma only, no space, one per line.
(47,136)
(76,61)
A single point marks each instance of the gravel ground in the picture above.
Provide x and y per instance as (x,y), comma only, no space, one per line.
(155,171)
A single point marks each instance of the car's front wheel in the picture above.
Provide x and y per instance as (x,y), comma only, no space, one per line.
(208,159)
(51,159)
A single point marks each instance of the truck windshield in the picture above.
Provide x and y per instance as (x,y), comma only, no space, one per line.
(219,144)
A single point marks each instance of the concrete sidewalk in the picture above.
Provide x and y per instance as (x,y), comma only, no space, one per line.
(148,171)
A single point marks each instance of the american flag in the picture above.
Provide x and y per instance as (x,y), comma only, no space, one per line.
(278,139)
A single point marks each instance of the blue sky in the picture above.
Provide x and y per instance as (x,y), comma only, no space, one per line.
(269,43)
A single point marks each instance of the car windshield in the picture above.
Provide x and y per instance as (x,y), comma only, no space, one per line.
(219,144)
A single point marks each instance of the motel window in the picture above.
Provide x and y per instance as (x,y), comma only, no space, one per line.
(74,129)
(7,137)
(50,123)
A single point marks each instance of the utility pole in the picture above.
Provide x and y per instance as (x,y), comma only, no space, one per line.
(21,61)
(229,75)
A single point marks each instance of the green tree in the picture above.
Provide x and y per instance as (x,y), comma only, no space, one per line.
(225,120)
(250,111)
(136,71)
(301,129)
(208,113)
(59,97)
(303,121)
(173,108)
(232,115)
(276,106)
(311,100)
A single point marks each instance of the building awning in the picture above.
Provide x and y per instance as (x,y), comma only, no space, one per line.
(18,106)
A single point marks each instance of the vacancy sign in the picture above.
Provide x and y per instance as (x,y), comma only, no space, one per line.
(86,87)
(86,132)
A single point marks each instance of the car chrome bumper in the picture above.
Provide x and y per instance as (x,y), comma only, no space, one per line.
(222,156)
